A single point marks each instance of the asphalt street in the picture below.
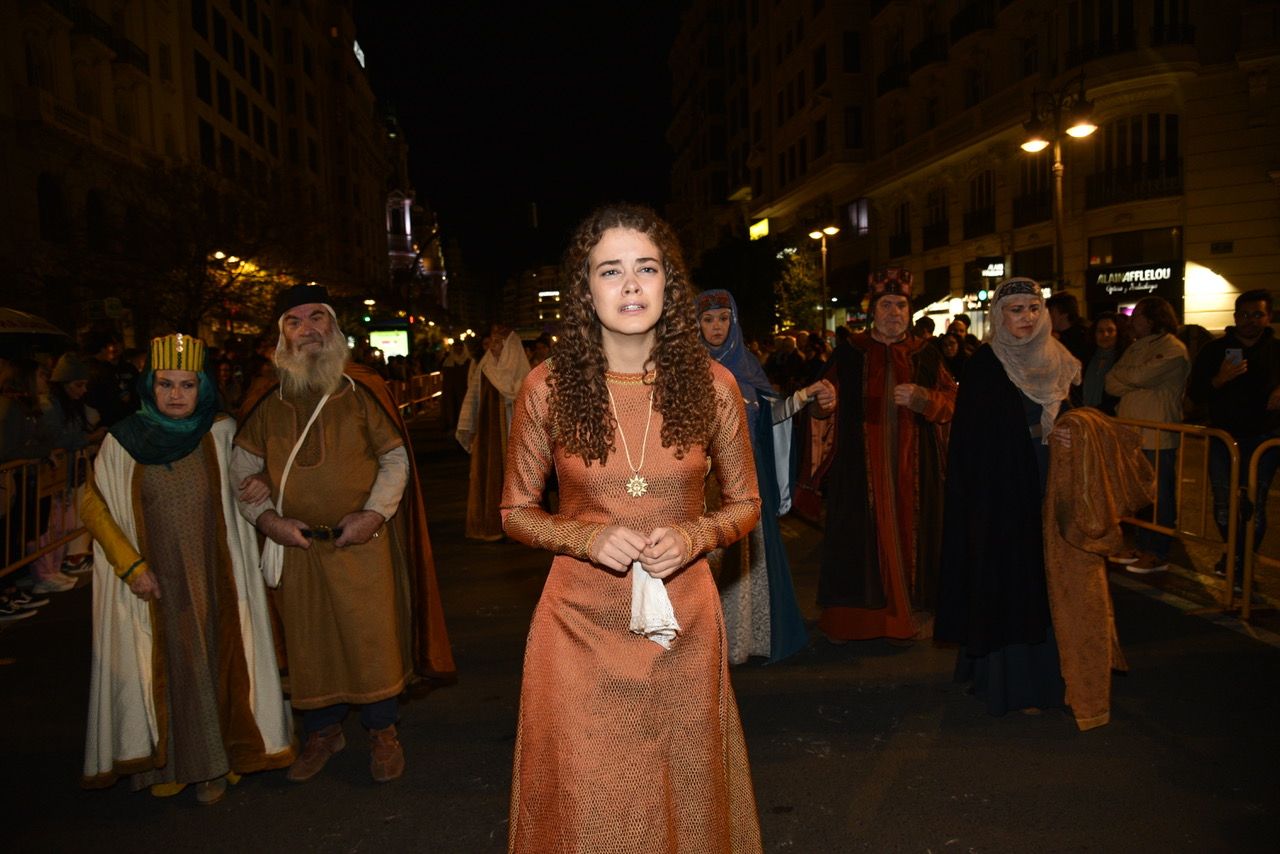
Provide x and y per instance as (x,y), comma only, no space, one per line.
(860,747)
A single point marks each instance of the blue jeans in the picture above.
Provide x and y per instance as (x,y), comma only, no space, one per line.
(1220,481)
(1166,503)
(379,715)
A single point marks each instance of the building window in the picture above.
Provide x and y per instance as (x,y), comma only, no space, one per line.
(224,96)
(975,86)
(251,16)
(819,66)
(292,147)
(853,127)
(900,240)
(982,191)
(313,156)
(1136,157)
(820,137)
(897,130)
(200,17)
(937,223)
(242,111)
(39,68)
(936,205)
(164,59)
(268,41)
(1097,28)
(932,112)
(220,34)
(208,151)
(290,97)
(255,71)
(227,156)
(259,135)
(308,66)
(55,226)
(237,53)
(269,77)
(204,78)
(852,59)
(859,211)
(1030,56)
(782,169)
(980,218)
(311,109)
(273,138)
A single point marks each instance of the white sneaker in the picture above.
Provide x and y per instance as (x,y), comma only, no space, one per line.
(56,583)
(1148,564)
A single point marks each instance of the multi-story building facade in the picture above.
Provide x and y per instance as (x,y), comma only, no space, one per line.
(270,96)
(1175,194)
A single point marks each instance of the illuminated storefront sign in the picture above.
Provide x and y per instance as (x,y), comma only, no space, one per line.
(759,229)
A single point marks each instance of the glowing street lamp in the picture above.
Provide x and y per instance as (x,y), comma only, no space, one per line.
(1053,113)
(822,235)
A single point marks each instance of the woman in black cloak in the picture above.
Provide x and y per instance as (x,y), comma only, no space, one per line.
(993,600)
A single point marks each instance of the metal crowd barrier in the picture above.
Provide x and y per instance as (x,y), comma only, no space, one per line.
(1206,531)
(1253,557)
(413,395)
(27,490)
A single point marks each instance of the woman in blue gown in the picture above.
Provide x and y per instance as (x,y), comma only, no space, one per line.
(759,601)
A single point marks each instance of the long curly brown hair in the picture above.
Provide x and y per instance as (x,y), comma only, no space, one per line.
(581,419)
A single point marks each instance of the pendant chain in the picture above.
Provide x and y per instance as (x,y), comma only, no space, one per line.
(637,481)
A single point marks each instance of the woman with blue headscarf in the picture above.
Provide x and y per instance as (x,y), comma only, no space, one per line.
(761,616)
(184,687)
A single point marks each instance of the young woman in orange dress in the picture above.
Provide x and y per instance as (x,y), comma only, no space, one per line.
(629,737)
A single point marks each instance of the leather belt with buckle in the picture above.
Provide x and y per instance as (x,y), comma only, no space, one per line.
(322,532)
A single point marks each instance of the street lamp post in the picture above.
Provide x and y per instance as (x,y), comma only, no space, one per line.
(1053,113)
(822,235)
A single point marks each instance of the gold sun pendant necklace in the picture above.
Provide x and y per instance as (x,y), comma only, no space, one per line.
(636,485)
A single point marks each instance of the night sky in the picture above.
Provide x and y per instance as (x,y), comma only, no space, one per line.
(559,104)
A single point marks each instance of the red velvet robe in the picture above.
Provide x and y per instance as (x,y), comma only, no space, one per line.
(903,453)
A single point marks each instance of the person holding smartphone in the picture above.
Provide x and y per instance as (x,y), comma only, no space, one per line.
(1236,380)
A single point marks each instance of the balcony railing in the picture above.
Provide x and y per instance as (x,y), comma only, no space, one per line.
(88,23)
(893,77)
(899,244)
(931,49)
(978,223)
(1173,34)
(130,54)
(1150,180)
(400,243)
(1032,208)
(1107,45)
(980,15)
(937,234)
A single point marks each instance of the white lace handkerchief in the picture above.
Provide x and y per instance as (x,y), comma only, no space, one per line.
(651,613)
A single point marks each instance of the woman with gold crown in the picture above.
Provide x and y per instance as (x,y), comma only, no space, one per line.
(184,687)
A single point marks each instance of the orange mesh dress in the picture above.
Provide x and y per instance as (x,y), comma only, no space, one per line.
(623,746)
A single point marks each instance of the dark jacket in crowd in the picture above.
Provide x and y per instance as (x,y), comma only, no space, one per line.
(1240,406)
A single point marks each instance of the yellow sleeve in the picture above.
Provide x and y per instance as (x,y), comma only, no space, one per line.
(123,557)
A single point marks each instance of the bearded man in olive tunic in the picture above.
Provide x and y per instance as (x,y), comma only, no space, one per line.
(349,557)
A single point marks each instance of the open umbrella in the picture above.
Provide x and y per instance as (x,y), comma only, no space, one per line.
(22,334)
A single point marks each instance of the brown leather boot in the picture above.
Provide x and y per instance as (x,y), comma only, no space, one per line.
(386,758)
(319,747)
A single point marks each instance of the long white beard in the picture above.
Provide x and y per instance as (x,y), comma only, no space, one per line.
(317,372)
